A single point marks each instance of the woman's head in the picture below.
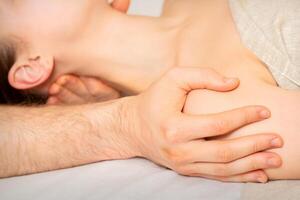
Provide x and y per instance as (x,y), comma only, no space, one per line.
(31,33)
(8,94)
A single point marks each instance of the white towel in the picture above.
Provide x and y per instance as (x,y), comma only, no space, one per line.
(271,29)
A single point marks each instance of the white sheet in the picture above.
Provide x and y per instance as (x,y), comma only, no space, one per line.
(132,179)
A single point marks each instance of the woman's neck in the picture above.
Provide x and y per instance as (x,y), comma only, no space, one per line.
(130,52)
(126,50)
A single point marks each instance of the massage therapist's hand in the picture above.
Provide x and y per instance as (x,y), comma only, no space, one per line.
(72,90)
(168,137)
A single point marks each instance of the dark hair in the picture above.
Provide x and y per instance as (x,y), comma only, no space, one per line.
(8,94)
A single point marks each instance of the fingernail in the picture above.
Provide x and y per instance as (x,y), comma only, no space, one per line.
(62,81)
(54,89)
(265,114)
(277,142)
(52,100)
(261,179)
(273,162)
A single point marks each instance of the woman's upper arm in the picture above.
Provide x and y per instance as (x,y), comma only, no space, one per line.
(285,120)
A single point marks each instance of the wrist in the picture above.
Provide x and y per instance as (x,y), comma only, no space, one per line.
(136,126)
(128,124)
(112,123)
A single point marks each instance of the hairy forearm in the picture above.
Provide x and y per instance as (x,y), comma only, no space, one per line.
(47,138)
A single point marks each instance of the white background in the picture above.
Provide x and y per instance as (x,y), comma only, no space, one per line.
(146,7)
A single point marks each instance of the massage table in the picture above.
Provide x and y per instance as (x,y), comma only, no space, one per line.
(136,179)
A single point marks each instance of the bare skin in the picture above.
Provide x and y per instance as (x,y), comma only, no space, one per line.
(226,54)
(285,117)
(175,41)
(132,127)
(257,87)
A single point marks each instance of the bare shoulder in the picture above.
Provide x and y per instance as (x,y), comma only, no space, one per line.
(285,120)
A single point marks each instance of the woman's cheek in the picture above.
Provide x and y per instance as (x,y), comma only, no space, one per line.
(56,19)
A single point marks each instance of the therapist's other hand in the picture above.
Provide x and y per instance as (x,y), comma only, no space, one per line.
(71,89)
(165,135)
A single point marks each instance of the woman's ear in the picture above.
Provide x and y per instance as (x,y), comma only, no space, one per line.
(121,5)
(31,72)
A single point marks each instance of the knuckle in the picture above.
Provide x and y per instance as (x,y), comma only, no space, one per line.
(174,156)
(219,126)
(256,146)
(254,164)
(225,154)
(248,115)
(171,132)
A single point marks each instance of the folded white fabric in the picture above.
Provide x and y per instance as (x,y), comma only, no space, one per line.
(271,29)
